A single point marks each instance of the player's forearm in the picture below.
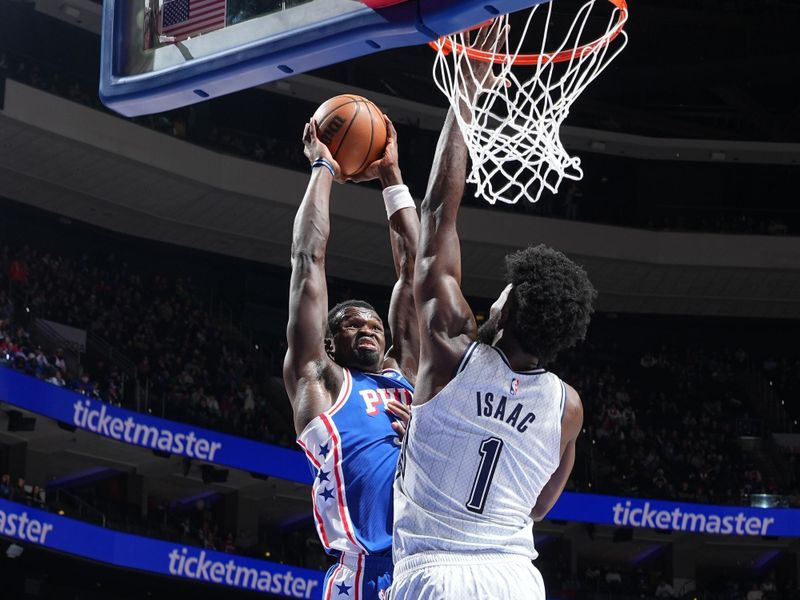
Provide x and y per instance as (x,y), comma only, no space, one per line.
(449,172)
(404,235)
(312,225)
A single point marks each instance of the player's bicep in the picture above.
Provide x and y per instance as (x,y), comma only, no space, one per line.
(308,306)
(441,306)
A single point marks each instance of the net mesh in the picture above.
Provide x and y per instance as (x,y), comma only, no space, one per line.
(510,114)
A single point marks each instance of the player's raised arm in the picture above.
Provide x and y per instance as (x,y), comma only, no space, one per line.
(404,236)
(307,371)
(445,319)
(447,324)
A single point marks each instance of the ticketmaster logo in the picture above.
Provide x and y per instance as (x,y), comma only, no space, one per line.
(680,520)
(100,422)
(199,567)
(20,525)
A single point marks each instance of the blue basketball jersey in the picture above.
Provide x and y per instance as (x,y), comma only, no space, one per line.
(353,452)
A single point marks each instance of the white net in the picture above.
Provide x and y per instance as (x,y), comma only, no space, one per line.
(510,114)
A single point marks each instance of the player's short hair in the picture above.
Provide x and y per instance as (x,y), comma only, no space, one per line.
(336,314)
(554,300)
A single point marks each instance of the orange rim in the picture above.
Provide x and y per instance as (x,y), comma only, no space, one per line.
(534,59)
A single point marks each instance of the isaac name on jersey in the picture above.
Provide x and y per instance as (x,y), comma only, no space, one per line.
(488,406)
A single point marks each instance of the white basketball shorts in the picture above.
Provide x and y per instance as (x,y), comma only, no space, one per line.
(448,576)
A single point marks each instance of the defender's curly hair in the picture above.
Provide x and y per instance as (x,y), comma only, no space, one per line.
(336,314)
(553,301)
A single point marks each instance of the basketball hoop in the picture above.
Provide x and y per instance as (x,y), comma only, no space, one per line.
(512,130)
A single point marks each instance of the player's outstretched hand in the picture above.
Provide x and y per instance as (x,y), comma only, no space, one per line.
(489,38)
(402,412)
(315,149)
(386,168)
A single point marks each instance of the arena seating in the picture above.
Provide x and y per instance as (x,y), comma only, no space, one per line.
(665,416)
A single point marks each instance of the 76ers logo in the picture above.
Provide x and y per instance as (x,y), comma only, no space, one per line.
(374,398)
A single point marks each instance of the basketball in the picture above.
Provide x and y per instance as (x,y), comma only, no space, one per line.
(353,129)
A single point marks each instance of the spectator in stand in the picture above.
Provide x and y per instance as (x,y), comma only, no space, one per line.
(5,486)
(249,399)
(56,378)
(37,495)
(664,590)
(18,273)
(613,579)
(20,492)
(755,593)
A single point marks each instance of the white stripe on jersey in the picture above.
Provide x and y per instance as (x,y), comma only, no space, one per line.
(475,459)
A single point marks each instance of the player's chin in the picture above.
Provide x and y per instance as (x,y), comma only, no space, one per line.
(366,358)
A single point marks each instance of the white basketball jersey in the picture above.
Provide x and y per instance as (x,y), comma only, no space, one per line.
(476,457)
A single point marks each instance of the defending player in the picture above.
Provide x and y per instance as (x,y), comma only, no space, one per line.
(341,383)
(491,441)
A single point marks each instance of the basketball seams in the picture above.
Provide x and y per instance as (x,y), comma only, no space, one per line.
(346,131)
(343,129)
(350,100)
(364,162)
(323,124)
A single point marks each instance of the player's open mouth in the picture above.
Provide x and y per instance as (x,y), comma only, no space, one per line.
(367,343)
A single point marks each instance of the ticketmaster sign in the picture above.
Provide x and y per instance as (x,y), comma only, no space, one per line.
(150,432)
(676,516)
(26,524)
(194,442)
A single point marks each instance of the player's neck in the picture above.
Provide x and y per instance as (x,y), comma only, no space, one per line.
(374,370)
(518,359)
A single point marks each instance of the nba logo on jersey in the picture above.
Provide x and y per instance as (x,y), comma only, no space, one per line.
(514,388)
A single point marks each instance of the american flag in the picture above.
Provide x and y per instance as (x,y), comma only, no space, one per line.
(184,18)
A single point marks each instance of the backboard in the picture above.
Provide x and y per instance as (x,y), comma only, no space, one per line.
(162,54)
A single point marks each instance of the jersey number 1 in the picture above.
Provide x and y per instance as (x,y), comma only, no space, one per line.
(490,454)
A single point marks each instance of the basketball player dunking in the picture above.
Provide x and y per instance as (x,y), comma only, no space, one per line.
(341,384)
(491,441)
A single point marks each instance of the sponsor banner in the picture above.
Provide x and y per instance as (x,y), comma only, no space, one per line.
(676,516)
(150,432)
(21,523)
(213,447)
